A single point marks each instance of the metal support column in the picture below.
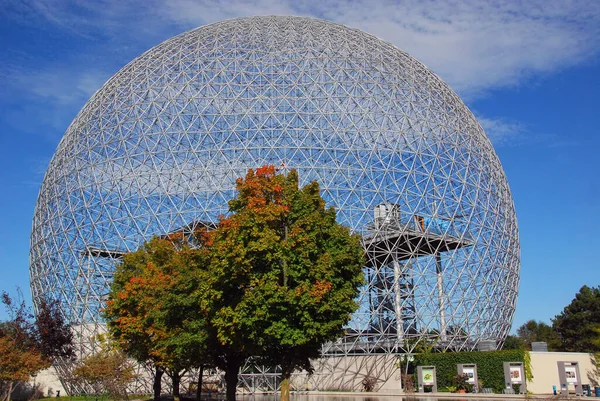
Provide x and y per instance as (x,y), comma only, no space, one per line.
(441,300)
(398,300)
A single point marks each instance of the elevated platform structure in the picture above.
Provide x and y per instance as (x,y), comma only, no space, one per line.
(185,233)
(96,252)
(393,244)
(403,241)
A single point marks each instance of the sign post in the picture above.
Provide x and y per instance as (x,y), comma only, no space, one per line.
(471,371)
(427,377)
(568,373)
(514,373)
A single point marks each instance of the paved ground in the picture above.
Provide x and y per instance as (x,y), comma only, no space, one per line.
(452,396)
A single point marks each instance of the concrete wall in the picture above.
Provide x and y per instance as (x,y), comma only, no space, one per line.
(544,367)
(346,373)
(48,379)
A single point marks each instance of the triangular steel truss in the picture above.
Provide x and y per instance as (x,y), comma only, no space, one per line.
(396,152)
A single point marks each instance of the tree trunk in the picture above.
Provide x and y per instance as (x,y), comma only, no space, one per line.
(285,385)
(176,379)
(285,265)
(231,377)
(199,388)
(157,383)
(6,396)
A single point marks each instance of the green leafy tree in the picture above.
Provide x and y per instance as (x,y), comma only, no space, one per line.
(513,342)
(283,275)
(276,279)
(155,309)
(533,331)
(578,322)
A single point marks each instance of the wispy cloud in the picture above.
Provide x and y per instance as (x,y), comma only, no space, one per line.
(476,46)
(502,132)
(45,101)
(49,85)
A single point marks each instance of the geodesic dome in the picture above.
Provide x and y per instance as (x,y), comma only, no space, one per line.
(158,148)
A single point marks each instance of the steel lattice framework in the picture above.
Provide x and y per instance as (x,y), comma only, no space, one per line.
(402,159)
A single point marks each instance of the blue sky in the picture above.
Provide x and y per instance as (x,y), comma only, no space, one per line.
(530,71)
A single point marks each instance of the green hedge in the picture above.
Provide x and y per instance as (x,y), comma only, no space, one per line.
(490,365)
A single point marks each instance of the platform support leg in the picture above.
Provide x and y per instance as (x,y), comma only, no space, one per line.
(441,300)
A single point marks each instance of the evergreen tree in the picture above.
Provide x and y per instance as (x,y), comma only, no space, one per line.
(513,342)
(579,321)
(533,331)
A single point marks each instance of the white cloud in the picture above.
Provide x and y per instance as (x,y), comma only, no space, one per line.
(51,85)
(502,132)
(45,101)
(190,13)
(476,46)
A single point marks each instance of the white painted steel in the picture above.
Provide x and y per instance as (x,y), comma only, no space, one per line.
(160,145)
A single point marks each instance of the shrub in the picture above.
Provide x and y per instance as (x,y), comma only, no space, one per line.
(490,365)
(408,383)
(461,382)
(368,383)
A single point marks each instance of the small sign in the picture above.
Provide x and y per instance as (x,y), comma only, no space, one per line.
(470,372)
(427,376)
(515,375)
(571,374)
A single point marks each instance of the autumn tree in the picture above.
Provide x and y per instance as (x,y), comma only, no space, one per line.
(578,323)
(107,370)
(276,279)
(155,310)
(283,275)
(20,354)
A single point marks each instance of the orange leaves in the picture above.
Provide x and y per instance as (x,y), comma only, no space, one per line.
(259,189)
(226,223)
(156,293)
(138,280)
(266,171)
(205,238)
(320,289)
(177,237)
(18,363)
